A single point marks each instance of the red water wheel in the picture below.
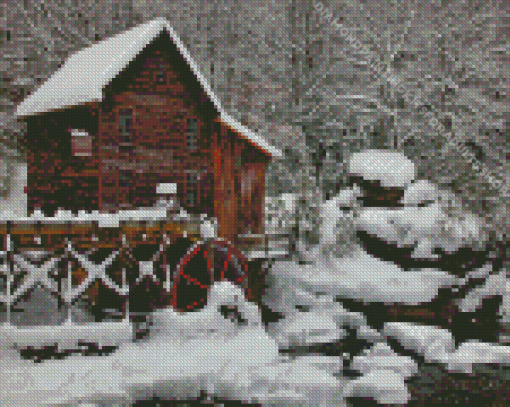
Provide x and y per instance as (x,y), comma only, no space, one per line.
(203,264)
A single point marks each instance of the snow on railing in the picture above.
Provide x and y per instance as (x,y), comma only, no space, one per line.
(69,335)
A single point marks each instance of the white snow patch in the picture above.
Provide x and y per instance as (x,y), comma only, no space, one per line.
(433,343)
(364,277)
(386,224)
(420,192)
(330,364)
(306,328)
(495,284)
(165,365)
(393,169)
(470,353)
(15,203)
(385,386)
(382,357)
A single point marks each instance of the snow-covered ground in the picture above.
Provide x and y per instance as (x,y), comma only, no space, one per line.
(233,355)
(184,355)
(366,278)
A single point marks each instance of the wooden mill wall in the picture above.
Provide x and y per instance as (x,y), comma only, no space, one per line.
(162,97)
(139,137)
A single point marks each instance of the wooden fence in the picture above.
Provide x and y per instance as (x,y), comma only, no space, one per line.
(136,249)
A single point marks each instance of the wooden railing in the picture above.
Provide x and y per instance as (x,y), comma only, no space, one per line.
(67,270)
(264,245)
(69,273)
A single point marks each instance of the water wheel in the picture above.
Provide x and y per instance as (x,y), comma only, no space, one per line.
(200,267)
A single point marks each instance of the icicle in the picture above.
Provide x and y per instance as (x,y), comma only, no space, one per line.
(9,274)
(69,289)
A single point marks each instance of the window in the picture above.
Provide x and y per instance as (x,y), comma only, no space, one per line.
(81,143)
(191,188)
(161,73)
(125,125)
(192,134)
(124,177)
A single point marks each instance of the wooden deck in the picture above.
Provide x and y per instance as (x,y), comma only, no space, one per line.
(263,246)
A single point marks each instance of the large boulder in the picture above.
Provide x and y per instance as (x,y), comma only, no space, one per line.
(389,168)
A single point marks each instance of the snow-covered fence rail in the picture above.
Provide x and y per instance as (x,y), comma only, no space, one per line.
(59,253)
(68,271)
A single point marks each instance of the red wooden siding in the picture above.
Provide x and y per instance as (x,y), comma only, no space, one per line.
(153,126)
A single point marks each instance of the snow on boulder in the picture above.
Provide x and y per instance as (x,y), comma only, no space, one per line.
(298,382)
(433,343)
(419,192)
(391,168)
(347,198)
(330,364)
(495,284)
(382,357)
(369,334)
(318,386)
(306,328)
(363,277)
(386,225)
(175,325)
(384,386)
(471,353)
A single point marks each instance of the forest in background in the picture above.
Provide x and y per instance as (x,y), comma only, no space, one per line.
(282,69)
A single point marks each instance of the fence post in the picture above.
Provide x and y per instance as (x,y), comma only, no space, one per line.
(69,284)
(124,283)
(10,272)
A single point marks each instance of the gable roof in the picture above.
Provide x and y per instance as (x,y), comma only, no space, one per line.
(84,75)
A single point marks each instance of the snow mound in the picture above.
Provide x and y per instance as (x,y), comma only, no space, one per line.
(494,285)
(470,353)
(393,169)
(298,378)
(387,225)
(382,357)
(209,321)
(420,192)
(165,365)
(433,343)
(364,277)
(306,328)
(330,364)
(384,386)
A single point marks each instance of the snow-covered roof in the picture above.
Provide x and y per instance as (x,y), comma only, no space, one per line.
(391,168)
(84,75)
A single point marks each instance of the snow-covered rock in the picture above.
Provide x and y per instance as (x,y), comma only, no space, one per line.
(382,357)
(209,321)
(391,168)
(306,328)
(297,383)
(495,284)
(471,353)
(384,386)
(348,198)
(433,343)
(330,364)
(361,276)
(386,225)
(419,192)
